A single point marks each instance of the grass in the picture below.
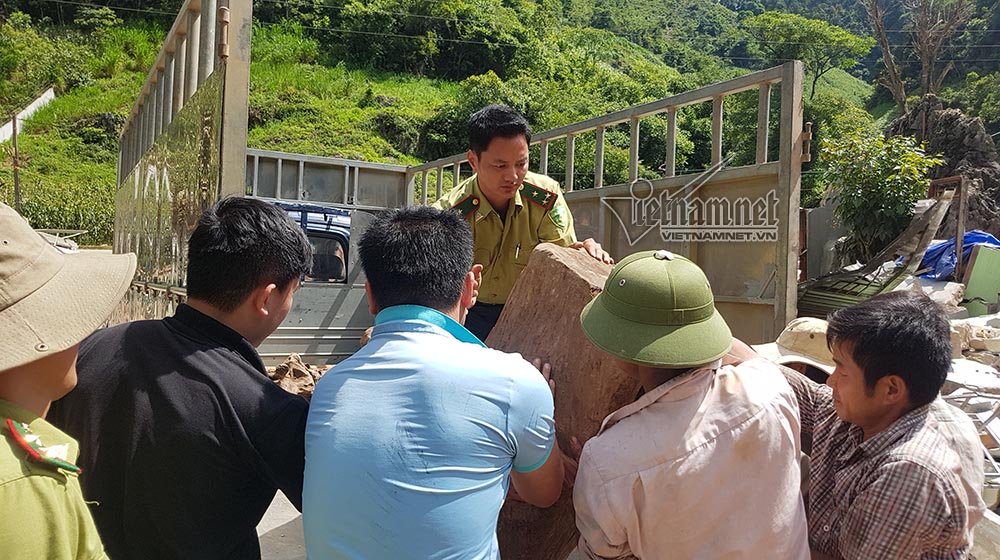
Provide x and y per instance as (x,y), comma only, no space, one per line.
(839,82)
(339,112)
(885,113)
(301,102)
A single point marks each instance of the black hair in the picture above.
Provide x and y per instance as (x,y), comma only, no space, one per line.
(900,333)
(241,244)
(495,121)
(417,256)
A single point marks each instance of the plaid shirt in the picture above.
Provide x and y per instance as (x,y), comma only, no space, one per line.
(902,494)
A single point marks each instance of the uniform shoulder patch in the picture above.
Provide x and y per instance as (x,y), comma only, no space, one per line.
(467,205)
(53,457)
(542,197)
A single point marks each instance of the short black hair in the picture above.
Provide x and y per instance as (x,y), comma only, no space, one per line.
(417,256)
(496,121)
(900,333)
(241,244)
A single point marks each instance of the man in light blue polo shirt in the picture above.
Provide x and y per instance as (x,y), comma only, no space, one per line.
(410,442)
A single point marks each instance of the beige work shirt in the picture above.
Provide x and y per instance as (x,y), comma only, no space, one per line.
(705,466)
(537,214)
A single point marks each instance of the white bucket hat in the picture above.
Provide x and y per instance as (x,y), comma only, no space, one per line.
(802,341)
(50,301)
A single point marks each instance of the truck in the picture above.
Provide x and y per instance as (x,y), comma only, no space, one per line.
(184,146)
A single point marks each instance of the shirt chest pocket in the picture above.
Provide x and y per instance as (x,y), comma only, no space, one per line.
(521,253)
(482,255)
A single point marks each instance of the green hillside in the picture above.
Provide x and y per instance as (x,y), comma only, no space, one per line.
(336,94)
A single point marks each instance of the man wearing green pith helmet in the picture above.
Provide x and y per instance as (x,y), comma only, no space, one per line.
(705,464)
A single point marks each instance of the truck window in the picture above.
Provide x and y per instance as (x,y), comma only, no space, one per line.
(328,260)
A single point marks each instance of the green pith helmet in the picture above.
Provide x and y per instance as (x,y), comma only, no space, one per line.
(657,310)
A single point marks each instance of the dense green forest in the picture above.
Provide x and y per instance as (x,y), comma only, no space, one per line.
(394,80)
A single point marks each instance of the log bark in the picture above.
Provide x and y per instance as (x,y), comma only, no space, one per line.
(542,320)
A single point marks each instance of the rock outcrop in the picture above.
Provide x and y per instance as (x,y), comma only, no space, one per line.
(967,150)
(542,320)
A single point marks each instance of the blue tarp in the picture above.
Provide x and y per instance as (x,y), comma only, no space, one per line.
(940,257)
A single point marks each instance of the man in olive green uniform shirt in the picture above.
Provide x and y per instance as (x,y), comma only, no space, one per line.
(40,491)
(510,210)
(49,301)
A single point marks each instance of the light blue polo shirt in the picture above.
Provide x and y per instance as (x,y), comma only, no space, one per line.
(410,442)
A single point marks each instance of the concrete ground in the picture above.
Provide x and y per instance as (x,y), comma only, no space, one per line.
(280,531)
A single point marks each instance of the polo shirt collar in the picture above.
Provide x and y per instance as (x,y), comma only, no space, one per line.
(887,438)
(426,315)
(220,333)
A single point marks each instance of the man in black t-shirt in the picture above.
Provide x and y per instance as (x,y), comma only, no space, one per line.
(184,440)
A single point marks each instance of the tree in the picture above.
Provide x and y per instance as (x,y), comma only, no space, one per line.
(876,180)
(779,37)
(892,78)
(934,23)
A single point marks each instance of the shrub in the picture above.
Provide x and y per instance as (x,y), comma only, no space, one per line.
(876,180)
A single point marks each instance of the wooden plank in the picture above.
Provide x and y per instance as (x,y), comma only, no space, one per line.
(542,319)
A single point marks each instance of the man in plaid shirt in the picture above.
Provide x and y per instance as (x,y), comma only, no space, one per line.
(886,475)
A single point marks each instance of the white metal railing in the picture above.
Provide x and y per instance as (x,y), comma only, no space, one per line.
(192,50)
(716,93)
(343,182)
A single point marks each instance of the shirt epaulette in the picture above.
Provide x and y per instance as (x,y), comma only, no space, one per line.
(37,452)
(544,198)
(467,205)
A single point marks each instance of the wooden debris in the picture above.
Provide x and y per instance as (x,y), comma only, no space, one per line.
(542,320)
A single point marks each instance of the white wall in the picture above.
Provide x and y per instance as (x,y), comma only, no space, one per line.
(7,130)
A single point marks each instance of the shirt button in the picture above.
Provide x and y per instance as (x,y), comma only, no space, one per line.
(826,528)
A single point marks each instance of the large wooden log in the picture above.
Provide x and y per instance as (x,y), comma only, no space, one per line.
(542,320)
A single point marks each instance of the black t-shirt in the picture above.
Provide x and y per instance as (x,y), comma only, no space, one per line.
(183,438)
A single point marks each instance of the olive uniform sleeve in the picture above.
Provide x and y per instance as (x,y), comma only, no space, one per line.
(557,224)
(47,518)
